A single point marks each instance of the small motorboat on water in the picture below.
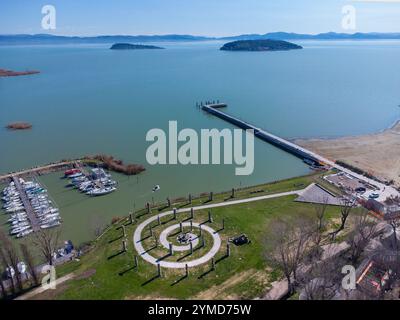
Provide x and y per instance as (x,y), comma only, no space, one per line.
(156,188)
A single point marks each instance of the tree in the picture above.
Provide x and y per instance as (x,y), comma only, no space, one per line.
(320,225)
(364,230)
(10,259)
(346,207)
(286,244)
(30,263)
(47,242)
(3,267)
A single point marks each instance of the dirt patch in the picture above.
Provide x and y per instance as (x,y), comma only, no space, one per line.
(148,297)
(221,291)
(86,274)
(378,154)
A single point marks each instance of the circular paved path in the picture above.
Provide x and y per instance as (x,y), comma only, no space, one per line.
(164,241)
(137,236)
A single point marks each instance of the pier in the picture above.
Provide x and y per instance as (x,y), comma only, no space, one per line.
(27,205)
(264,135)
(62,165)
(300,152)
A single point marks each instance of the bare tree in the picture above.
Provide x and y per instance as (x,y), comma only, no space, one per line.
(30,263)
(47,242)
(346,207)
(285,245)
(320,225)
(3,266)
(11,256)
(365,228)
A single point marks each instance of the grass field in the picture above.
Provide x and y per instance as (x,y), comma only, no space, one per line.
(243,275)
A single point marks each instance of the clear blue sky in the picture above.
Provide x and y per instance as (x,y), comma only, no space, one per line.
(198,17)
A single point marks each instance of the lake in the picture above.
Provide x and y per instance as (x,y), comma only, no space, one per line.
(89,99)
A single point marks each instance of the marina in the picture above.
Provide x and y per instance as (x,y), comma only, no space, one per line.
(94,183)
(29,207)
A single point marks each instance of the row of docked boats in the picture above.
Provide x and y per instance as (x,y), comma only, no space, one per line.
(38,203)
(95,183)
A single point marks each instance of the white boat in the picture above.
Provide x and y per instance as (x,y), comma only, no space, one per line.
(101,191)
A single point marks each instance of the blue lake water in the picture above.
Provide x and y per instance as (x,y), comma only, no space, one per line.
(89,99)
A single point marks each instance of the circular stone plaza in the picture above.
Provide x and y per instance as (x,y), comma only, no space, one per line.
(190,241)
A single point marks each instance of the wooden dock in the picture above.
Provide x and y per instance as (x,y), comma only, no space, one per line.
(27,205)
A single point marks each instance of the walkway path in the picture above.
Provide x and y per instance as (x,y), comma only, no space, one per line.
(137,237)
(42,289)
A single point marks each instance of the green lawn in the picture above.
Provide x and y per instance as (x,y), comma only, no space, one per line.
(243,275)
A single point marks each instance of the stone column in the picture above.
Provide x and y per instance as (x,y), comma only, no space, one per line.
(211,196)
(171,249)
(159,272)
(233,193)
(123,245)
(191,213)
(228,250)
(212,264)
(191,225)
(151,230)
(191,247)
(190,198)
(223,224)
(123,231)
(131,218)
(148,207)
(174,211)
(210,219)
(186,270)
(158,220)
(180,227)
(136,261)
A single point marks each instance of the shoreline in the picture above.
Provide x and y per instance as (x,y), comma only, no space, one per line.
(375,153)
(393,126)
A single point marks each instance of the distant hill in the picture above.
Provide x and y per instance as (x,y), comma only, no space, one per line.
(129,46)
(53,39)
(259,45)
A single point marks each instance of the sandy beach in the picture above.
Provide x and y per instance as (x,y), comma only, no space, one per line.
(378,153)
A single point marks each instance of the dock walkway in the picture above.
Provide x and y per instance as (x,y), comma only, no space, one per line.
(27,205)
(385,191)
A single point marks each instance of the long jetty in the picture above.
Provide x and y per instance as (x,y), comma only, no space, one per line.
(303,153)
(264,135)
(27,205)
(39,170)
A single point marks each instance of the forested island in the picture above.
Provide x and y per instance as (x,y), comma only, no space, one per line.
(129,46)
(260,45)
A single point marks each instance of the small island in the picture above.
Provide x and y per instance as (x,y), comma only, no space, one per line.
(129,46)
(260,45)
(19,126)
(10,73)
